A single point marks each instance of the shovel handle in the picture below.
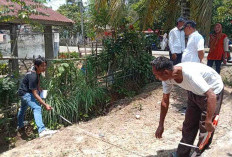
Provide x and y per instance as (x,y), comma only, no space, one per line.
(207,137)
(215,121)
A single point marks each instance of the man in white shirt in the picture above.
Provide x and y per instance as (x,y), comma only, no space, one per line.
(177,41)
(205,93)
(194,51)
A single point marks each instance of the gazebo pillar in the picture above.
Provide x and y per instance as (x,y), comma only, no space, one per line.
(14,49)
(49,54)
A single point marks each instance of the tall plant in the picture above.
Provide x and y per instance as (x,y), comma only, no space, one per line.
(72,95)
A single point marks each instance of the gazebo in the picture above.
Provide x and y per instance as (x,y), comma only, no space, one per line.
(49,19)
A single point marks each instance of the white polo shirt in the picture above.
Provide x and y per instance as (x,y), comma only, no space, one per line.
(195,44)
(197,78)
(176,41)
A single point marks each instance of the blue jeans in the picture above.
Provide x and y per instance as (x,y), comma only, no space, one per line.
(29,100)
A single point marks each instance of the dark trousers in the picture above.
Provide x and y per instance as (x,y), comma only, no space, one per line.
(194,119)
(217,64)
(178,58)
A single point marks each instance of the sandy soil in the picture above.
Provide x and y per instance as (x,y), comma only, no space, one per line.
(122,133)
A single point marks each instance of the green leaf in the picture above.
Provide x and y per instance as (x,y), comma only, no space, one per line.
(61,69)
(66,65)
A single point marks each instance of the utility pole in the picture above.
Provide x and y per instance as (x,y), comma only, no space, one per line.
(80,3)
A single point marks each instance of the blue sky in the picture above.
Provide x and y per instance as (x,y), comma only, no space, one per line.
(56,3)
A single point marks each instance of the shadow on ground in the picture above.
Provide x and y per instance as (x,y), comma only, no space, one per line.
(163,153)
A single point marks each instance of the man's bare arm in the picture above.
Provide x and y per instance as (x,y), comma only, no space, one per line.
(163,113)
(211,107)
(201,55)
(164,108)
(40,100)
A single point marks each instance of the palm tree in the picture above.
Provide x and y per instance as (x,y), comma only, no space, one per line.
(117,11)
(201,12)
(198,10)
(185,8)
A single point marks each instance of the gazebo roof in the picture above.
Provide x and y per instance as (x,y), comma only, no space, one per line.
(51,18)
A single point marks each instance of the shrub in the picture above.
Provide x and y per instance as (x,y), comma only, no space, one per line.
(128,60)
(3,68)
(8,91)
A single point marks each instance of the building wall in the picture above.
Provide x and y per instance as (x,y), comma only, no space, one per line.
(28,45)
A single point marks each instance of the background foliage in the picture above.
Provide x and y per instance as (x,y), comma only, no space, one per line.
(71,11)
(222,13)
(8,92)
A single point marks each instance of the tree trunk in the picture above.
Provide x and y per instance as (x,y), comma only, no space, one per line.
(14,49)
(49,54)
(201,12)
(185,8)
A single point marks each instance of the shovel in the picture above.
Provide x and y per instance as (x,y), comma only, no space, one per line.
(205,140)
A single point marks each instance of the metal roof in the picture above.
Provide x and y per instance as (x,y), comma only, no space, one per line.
(52,17)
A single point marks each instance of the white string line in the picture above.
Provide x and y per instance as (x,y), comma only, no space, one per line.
(103,140)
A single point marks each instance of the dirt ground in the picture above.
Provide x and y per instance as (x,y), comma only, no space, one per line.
(128,130)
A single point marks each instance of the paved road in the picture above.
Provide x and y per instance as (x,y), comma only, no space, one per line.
(166,53)
(88,50)
(73,48)
(154,53)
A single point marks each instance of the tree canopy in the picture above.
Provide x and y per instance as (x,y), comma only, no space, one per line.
(72,11)
(222,13)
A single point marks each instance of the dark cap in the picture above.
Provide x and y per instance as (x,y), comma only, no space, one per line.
(190,23)
(181,19)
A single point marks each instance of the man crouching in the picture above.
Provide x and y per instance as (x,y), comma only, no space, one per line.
(205,94)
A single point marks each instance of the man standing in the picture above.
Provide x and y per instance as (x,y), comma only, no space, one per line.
(205,93)
(177,41)
(194,51)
